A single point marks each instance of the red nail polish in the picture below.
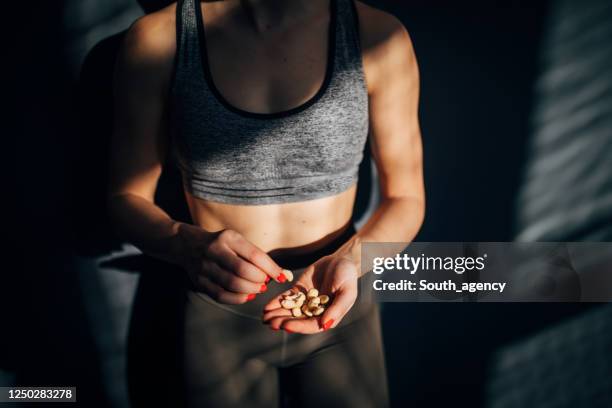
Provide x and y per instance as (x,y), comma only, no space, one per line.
(328,324)
(282,278)
(267,279)
(263,288)
(250,297)
(287,330)
(274,328)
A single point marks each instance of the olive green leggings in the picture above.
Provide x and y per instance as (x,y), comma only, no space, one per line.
(187,350)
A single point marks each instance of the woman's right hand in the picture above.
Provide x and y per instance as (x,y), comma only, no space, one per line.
(225,265)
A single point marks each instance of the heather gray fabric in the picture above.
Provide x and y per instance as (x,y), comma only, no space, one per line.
(229,155)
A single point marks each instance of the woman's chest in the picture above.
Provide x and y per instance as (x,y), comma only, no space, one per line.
(269,74)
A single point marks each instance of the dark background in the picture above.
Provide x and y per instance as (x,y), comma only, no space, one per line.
(486,104)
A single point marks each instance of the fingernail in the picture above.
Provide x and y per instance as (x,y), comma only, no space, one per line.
(282,278)
(267,279)
(274,328)
(250,297)
(263,288)
(328,324)
(287,330)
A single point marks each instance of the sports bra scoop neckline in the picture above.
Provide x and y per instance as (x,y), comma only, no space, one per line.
(329,69)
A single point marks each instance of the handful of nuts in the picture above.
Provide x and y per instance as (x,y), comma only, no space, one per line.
(309,304)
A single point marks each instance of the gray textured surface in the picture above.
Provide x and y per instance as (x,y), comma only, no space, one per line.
(109,293)
(239,158)
(567,195)
(563,366)
(567,190)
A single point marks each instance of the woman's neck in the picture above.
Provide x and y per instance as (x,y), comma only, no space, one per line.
(267,15)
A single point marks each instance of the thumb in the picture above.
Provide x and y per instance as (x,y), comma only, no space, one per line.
(343,301)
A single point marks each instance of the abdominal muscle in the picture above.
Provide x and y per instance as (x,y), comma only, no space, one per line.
(279,229)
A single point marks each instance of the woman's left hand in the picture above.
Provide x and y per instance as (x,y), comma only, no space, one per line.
(334,275)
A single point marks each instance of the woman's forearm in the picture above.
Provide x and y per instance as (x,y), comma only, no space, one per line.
(395,220)
(149,228)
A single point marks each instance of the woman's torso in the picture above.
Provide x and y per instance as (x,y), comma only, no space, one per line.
(264,65)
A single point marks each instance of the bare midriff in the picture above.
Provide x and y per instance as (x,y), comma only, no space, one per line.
(284,229)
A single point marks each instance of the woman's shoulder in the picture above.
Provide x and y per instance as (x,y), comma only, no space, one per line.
(386,43)
(152,37)
(379,28)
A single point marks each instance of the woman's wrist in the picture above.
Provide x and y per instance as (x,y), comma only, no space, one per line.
(351,250)
(187,242)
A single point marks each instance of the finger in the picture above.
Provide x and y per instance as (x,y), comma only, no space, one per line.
(275,303)
(259,258)
(230,261)
(231,282)
(309,325)
(280,312)
(277,322)
(221,295)
(342,303)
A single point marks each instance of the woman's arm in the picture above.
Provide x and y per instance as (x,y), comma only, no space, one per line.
(139,141)
(393,84)
(222,264)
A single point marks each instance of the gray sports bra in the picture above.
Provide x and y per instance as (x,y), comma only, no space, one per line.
(229,155)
